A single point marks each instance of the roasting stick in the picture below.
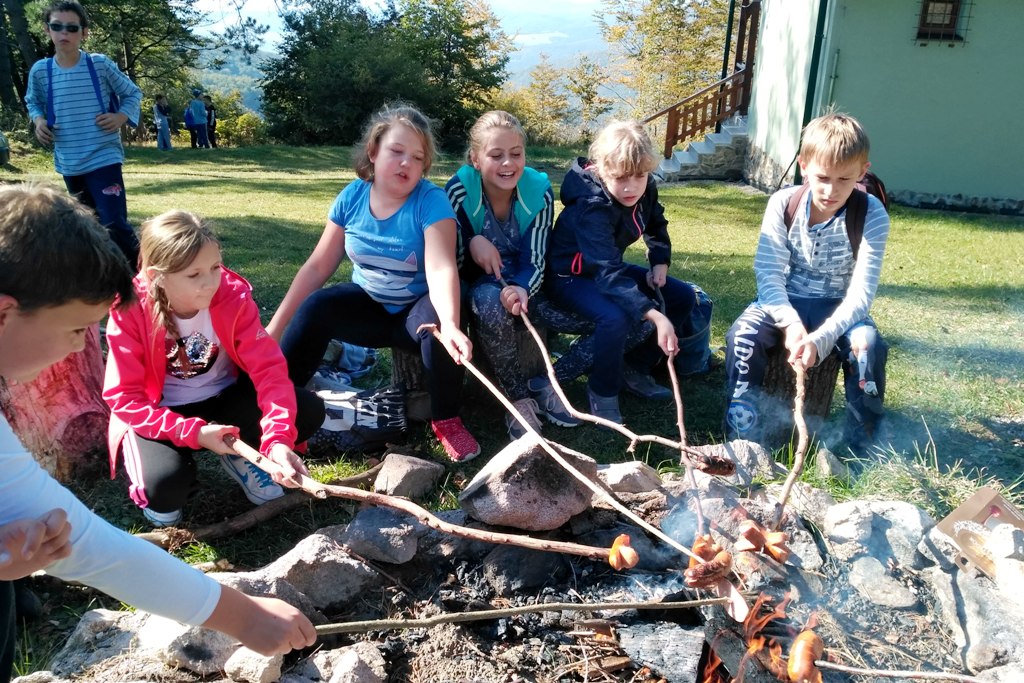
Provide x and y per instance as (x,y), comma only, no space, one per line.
(801,443)
(482,615)
(882,673)
(324,491)
(558,457)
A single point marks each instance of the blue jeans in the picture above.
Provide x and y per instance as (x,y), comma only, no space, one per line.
(612,323)
(347,313)
(755,333)
(102,190)
(163,136)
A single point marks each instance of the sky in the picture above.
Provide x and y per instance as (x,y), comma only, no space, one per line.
(561,29)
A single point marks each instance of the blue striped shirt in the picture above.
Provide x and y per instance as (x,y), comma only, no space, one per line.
(816,261)
(79,145)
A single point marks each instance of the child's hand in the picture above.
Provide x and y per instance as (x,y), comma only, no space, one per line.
(109,122)
(456,343)
(485,255)
(265,625)
(657,276)
(667,340)
(43,132)
(27,545)
(211,437)
(291,465)
(514,298)
(802,351)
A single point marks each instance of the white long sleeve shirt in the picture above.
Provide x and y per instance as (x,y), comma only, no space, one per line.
(816,261)
(102,556)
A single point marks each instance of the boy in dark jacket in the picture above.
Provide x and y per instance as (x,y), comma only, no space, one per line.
(611,201)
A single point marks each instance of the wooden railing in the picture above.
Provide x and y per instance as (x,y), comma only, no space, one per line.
(705,110)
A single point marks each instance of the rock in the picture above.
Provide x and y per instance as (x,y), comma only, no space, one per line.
(320,568)
(634,476)
(252,667)
(848,527)
(1011,673)
(407,476)
(828,466)
(752,460)
(100,634)
(938,548)
(809,502)
(39,677)
(361,663)
(524,488)
(194,648)
(1006,541)
(259,585)
(510,569)
(380,534)
(871,580)
(1009,579)
(897,530)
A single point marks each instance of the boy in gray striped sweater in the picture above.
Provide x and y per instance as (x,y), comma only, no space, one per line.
(816,280)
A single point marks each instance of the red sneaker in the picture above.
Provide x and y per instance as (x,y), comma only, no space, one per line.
(458,443)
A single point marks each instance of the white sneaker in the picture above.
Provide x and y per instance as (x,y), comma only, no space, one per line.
(256,484)
(162,519)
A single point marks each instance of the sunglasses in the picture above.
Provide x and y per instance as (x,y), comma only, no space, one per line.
(57,27)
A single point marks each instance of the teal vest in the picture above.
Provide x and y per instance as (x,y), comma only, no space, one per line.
(530,191)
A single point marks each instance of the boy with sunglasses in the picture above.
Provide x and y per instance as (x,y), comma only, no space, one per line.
(78,103)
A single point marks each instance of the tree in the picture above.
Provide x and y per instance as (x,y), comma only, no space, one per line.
(457,43)
(547,103)
(665,49)
(583,81)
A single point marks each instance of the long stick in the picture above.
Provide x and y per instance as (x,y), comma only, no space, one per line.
(921,675)
(801,443)
(687,464)
(324,491)
(482,615)
(582,478)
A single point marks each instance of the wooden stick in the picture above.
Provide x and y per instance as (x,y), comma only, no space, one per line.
(687,463)
(919,675)
(801,444)
(483,615)
(324,491)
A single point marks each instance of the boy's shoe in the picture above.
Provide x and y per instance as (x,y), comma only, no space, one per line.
(458,443)
(606,407)
(162,519)
(256,484)
(527,407)
(643,385)
(548,403)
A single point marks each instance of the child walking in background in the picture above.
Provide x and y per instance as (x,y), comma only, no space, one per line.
(162,119)
(504,211)
(189,364)
(399,231)
(42,525)
(611,201)
(815,284)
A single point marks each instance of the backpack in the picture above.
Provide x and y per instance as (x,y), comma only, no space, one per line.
(113,104)
(856,207)
(189,121)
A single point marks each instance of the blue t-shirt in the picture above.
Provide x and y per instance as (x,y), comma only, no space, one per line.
(387,255)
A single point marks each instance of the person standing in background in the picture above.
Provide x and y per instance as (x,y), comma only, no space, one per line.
(162,119)
(211,120)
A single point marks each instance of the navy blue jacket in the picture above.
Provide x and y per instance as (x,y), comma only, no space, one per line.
(593,231)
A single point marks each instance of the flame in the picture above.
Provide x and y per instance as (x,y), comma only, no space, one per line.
(711,669)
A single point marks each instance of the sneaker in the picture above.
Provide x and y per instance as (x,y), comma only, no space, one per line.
(527,407)
(162,519)
(548,403)
(644,386)
(256,484)
(606,407)
(458,443)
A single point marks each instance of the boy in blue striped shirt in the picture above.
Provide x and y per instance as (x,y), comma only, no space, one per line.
(78,103)
(814,285)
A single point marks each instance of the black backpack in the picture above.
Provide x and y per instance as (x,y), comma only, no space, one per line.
(856,207)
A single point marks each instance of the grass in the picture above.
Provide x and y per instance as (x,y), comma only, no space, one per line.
(951,305)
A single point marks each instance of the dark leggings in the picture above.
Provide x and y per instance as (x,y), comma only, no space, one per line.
(163,475)
(8,632)
(347,313)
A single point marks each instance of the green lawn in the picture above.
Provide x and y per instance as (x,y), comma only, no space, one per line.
(951,302)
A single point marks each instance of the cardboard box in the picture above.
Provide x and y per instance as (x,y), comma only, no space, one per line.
(971,524)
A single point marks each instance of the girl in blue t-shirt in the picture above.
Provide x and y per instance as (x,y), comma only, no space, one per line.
(398,229)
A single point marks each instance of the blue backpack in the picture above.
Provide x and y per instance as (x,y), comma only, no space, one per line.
(112,105)
(189,121)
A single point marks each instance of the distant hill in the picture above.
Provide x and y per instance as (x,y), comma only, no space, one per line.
(235,74)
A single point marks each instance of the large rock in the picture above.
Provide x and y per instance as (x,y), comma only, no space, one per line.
(523,487)
(100,634)
(197,649)
(634,476)
(247,666)
(752,460)
(407,476)
(380,534)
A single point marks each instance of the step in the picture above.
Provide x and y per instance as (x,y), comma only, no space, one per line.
(685,158)
(735,130)
(722,138)
(704,146)
(668,166)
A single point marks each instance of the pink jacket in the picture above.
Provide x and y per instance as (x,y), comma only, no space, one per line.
(137,367)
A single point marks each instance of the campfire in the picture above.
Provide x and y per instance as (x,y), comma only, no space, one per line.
(726,581)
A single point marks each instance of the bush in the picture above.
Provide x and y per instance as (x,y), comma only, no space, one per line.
(244,131)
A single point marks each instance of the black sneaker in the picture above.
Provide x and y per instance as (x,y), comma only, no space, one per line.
(548,403)
(644,386)
(606,407)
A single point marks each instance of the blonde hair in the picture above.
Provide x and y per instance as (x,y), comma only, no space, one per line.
(623,148)
(487,122)
(833,139)
(380,123)
(168,244)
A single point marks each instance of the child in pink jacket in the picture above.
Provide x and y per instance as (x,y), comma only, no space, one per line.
(189,364)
